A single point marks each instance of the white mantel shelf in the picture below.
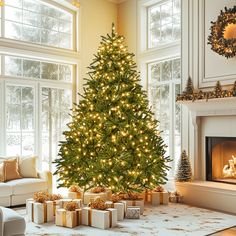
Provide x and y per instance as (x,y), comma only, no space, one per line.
(215,106)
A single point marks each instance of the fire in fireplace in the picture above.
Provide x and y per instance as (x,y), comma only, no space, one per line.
(221,159)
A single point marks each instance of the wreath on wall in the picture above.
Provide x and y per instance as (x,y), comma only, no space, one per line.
(220,43)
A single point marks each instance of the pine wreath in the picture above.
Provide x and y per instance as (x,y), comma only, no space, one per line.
(219,44)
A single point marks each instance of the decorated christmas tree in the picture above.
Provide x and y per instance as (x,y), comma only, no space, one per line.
(113,140)
(184,171)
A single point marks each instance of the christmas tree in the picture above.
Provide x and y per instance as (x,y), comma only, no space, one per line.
(184,172)
(113,139)
(189,87)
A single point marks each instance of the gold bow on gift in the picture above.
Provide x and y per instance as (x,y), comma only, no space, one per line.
(115,198)
(132,196)
(71,206)
(158,189)
(98,189)
(41,196)
(55,197)
(98,204)
(75,189)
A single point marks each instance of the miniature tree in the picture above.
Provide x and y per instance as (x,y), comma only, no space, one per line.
(113,139)
(184,171)
(189,89)
(218,90)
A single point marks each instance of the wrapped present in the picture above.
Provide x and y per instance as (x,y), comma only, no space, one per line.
(90,196)
(101,219)
(75,192)
(175,197)
(139,203)
(63,202)
(40,212)
(132,212)
(159,196)
(68,219)
(28,201)
(119,206)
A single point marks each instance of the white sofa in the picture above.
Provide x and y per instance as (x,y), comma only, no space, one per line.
(15,192)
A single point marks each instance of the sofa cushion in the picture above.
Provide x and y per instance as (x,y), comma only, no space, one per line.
(5,190)
(27,185)
(27,167)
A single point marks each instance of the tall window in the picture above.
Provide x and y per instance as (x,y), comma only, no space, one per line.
(36,90)
(163,63)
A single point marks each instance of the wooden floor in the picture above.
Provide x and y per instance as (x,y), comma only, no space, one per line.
(227,232)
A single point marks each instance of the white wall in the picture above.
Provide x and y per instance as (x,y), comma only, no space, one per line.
(96,17)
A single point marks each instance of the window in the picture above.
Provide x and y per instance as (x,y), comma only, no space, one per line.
(36,89)
(163,23)
(37,22)
(162,65)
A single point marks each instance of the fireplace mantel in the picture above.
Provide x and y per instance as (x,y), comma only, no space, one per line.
(212,107)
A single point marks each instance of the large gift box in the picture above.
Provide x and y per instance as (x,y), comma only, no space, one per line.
(102,219)
(138,202)
(63,202)
(120,207)
(68,219)
(40,212)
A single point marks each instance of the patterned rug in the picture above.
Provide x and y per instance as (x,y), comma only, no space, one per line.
(171,220)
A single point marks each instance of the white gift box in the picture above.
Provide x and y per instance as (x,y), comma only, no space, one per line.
(75,195)
(120,207)
(88,196)
(139,203)
(62,202)
(40,212)
(68,219)
(98,218)
(132,212)
(159,198)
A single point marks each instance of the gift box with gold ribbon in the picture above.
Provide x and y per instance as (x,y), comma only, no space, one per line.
(62,202)
(40,212)
(69,219)
(75,192)
(98,215)
(159,196)
(95,193)
(102,219)
(175,197)
(119,206)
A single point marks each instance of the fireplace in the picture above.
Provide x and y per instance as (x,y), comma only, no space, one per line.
(221,159)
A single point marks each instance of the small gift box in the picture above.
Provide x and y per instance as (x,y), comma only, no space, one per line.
(132,212)
(69,219)
(139,203)
(102,219)
(75,192)
(56,199)
(175,197)
(62,202)
(119,206)
(40,212)
(159,196)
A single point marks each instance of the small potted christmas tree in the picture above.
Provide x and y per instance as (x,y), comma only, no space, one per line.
(184,171)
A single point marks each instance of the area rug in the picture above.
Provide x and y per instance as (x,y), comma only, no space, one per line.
(171,220)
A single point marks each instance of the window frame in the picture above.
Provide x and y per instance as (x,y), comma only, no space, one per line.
(164,52)
(39,52)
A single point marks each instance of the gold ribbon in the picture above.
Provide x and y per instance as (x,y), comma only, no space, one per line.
(32,211)
(90,217)
(161,197)
(148,196)
(45,212)
(54,208)
(110,218)
(64,218)
(79,217)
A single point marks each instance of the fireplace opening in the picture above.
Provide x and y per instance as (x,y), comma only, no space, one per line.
(221,159)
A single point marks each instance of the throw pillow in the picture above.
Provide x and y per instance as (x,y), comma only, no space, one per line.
(27,167)
(11,170)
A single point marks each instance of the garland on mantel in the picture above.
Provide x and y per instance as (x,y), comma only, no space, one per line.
(189,94)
